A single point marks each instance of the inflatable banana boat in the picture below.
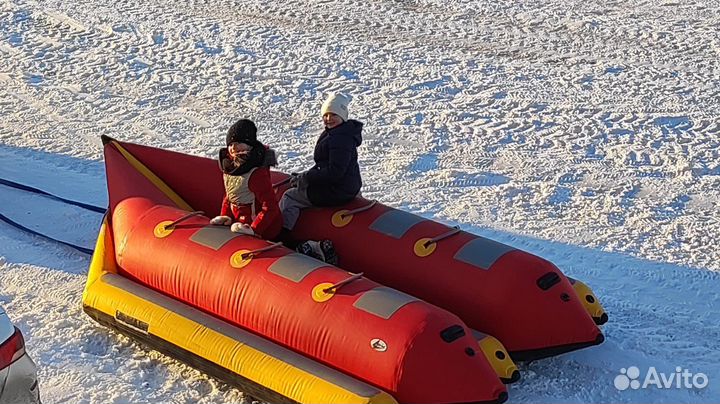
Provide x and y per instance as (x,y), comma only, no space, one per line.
(522,300)
(282,326)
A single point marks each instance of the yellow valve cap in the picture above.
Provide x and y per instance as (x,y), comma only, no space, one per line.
(161,231)
(421,250)
(341,218)
(320,295)
(237,260)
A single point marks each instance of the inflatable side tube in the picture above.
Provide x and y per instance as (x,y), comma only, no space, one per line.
(259,367)
(521,299)
(386,338)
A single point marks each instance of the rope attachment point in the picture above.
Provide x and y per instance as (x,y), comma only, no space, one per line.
(342,217)
(426,246)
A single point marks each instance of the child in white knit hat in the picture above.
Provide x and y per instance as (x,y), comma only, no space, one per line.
(335,178)
(334,110)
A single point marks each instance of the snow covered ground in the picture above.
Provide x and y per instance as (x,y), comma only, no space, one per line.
(585,132)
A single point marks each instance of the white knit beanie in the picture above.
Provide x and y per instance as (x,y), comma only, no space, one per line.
(337,103)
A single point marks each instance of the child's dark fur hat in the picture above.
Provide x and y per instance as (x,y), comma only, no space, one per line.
(242,131)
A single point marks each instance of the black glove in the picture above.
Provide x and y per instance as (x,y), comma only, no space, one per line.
(302,181)
(294,178)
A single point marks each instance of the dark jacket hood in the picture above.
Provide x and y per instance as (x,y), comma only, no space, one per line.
(350,128)
(260,156)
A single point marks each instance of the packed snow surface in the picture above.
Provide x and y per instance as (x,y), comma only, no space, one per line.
(586,132)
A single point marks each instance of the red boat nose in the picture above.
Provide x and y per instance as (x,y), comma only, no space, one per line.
(541,303)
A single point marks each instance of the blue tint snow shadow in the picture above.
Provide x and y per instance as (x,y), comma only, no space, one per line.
(123,28)
(350,75)
(627,199)
(242,51)
(639,159)
(425,162)
(673,209)
(538,106)
(15,39)
(560,196)
(35,80)
(308,87)
(158,38)
(21,16)
(18,19)
(136,65)
(591,153)
(467,116)
(616,219)
(208,49)
(490,69)
(540,125)
(511,138)
(621,132)
(651,174)
(416,120)
(676,124)
(706,171)
(614,70)
(570,178)
(429,162)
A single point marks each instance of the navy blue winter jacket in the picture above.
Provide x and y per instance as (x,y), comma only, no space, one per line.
(335,178)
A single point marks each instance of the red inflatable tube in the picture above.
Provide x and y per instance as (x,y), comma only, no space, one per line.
(519,298)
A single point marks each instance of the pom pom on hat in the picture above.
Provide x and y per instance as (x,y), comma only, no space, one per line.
(337,103)
(242,131)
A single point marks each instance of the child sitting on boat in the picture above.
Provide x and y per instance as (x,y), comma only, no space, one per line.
(333,180)
(249,206)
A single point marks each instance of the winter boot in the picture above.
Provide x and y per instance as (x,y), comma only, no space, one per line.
(328,250)
(322,250)
(311,248)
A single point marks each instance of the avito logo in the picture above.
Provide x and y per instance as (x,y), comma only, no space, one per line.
(680,379)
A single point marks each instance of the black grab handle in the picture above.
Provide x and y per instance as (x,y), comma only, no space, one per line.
(548,280)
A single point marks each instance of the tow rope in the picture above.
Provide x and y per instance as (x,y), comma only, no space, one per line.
(27,188)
